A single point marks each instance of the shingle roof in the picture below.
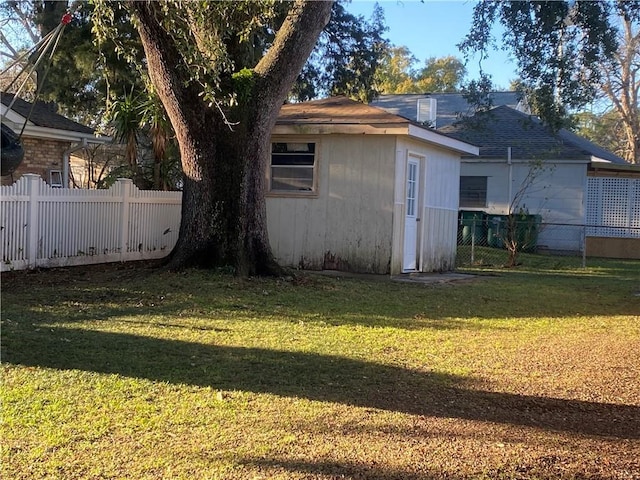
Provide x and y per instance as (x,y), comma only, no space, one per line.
(336,110)
(502,127)
(450,106)
(595,150)
(42,115)
(344,111)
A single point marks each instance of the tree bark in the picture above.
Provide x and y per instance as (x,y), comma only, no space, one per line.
(223,207)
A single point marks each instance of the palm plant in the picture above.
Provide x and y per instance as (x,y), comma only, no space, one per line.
(153,117)
(126,119)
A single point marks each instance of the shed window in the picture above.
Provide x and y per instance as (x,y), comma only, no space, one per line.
(293,167)
(473,192)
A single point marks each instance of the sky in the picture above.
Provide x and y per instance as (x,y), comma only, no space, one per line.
(433,29)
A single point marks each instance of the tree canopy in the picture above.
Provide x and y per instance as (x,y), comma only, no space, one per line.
(346,58)
(620,85)
(397,73)
(559,47)
(80,73)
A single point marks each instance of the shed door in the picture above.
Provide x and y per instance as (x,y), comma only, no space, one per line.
(410,252)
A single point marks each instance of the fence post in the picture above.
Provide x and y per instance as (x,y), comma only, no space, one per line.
(125,188)
(473,241)
(584,246)
(32,219)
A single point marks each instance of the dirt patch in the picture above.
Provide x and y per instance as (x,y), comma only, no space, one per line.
(103,272)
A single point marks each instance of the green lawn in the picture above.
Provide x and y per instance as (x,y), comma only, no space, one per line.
(124,371)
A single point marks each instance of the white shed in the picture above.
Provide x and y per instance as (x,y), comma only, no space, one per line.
(352,187)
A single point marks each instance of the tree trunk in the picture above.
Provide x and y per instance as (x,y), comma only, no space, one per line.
(48,17)
(223,207)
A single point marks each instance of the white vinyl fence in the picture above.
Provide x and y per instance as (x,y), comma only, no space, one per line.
(41,226)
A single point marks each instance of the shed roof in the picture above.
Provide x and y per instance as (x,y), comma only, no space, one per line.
(336,110)
(42,114)
(343,115)
(502,127)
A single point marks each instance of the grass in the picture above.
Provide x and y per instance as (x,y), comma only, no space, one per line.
(123,371)
(489,257)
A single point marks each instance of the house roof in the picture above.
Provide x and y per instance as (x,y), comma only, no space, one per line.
(340,115)
(42,114)
(450,106)
(502,127)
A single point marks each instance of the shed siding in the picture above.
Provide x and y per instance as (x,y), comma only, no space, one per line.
(348,224)
(440,173)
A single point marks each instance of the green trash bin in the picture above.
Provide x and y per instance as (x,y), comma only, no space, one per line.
(496,230)
(526,228)
(470,223)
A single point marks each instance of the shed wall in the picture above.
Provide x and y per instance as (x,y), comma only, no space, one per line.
(438,204)
(348,224)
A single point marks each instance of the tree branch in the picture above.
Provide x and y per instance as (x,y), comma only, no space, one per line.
(6,43)
(293,44)
(25,21)
(163,60)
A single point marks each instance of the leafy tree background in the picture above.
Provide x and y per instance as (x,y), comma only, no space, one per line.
(617,126)
(560,48)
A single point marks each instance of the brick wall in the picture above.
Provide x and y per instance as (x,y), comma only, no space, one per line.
(40,156)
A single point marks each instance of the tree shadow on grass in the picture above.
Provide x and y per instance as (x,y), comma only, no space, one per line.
(408,307)
(108,302)
(307,375)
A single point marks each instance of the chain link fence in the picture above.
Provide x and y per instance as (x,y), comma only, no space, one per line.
(486,241)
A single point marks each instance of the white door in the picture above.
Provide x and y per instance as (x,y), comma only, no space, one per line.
(410,252)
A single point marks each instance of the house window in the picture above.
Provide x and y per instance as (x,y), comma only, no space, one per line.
(293,167)
(473,192)
(55,178)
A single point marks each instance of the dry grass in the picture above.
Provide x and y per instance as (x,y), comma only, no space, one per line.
(129,372)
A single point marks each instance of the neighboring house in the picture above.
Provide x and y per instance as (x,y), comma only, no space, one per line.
(352,187)
(523,166)
(48,139)
(90,167)
(513,145)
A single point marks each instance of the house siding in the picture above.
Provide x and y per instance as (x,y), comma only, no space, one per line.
(557,195)
(40,156)
(348,224)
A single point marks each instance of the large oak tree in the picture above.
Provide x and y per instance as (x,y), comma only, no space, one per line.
(222,89)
